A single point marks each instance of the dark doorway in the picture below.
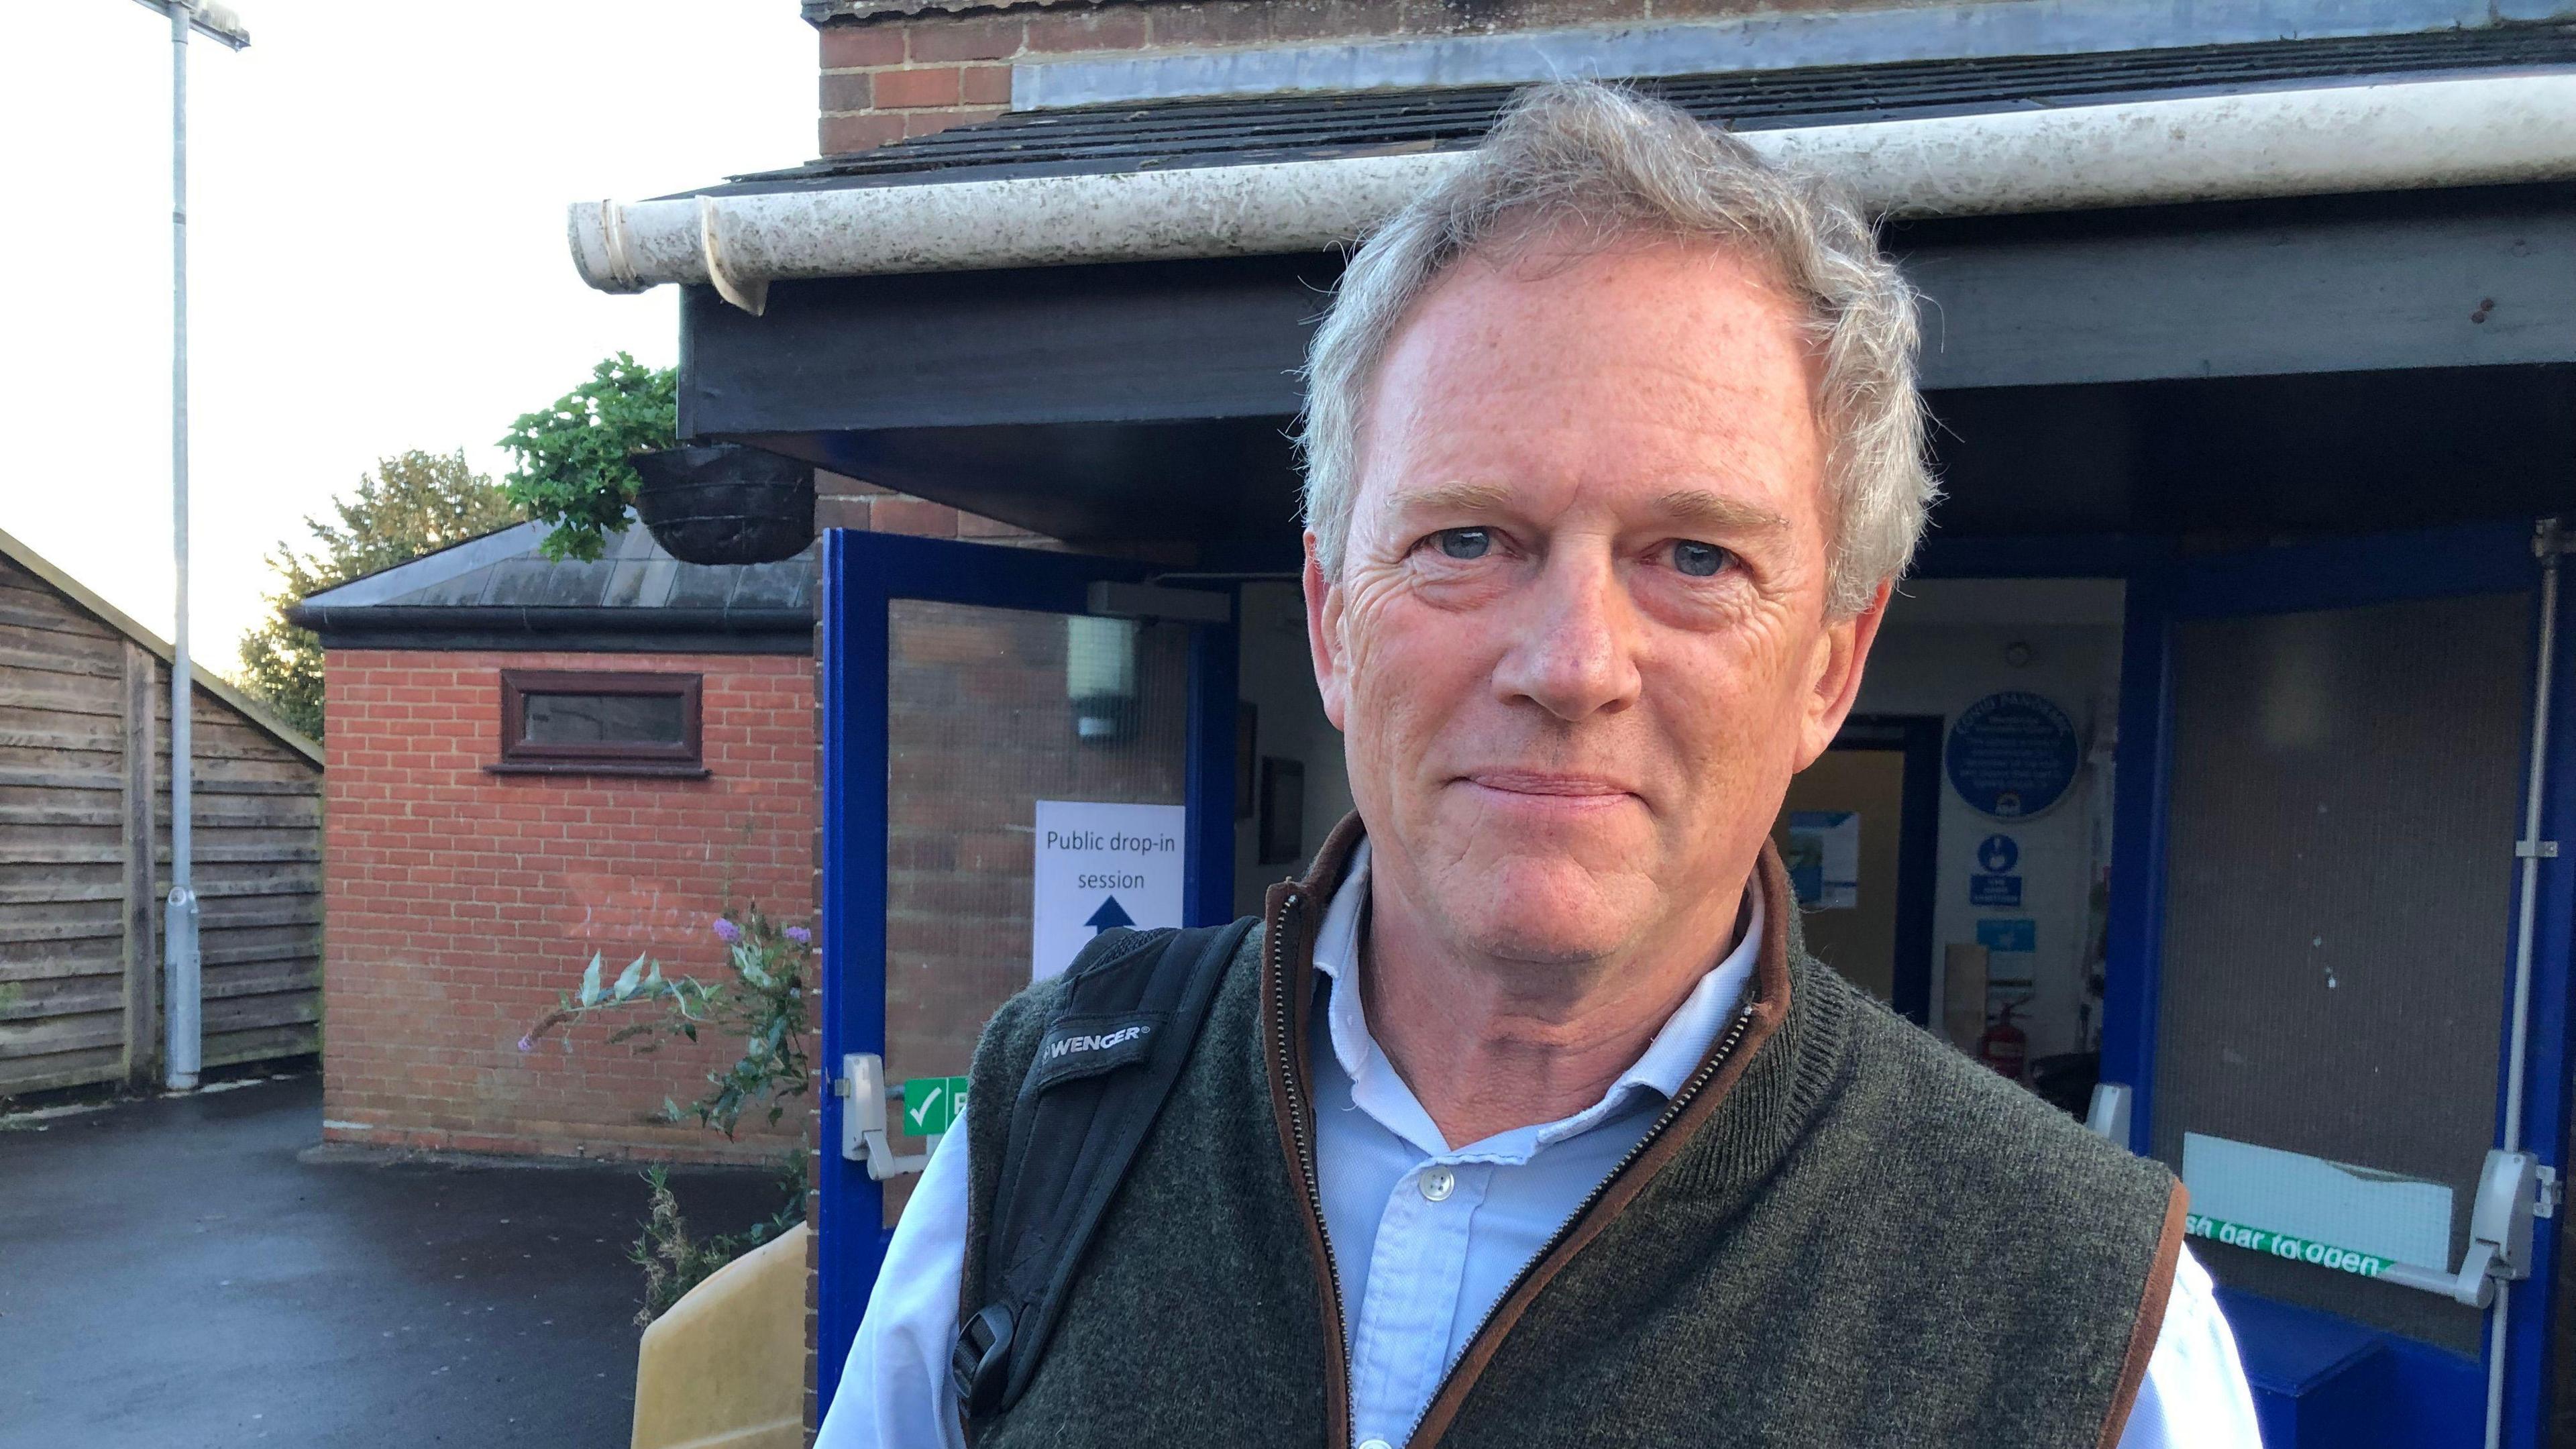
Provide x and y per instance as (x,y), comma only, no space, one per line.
(1861,830)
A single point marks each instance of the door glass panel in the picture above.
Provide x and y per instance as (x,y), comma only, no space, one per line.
(2344,798)
(1840,831)
(990,711)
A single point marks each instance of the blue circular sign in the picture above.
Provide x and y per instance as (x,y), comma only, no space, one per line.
(1997,854)
(2012,755)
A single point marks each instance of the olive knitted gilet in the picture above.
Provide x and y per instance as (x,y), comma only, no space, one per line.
(1852,1236)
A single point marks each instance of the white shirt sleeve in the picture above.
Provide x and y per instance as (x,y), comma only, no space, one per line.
(2195,1395)
(895,1392)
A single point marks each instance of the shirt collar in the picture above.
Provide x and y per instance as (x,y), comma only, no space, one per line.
(1677,1050)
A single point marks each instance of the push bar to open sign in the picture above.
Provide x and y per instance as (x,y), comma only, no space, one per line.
(2513,1189)
(2283,1245)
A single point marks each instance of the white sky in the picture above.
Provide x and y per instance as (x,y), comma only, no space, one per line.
(376,226)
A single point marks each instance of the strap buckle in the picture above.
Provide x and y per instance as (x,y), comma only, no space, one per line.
(979,1364)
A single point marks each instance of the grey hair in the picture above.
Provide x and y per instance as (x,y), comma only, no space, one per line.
(1617,165)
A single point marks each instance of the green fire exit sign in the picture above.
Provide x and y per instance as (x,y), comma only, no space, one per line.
(932,1105)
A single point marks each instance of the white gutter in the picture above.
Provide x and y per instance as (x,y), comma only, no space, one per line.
(2408,135)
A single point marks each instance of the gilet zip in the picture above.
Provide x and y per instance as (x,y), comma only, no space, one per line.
(1287,957)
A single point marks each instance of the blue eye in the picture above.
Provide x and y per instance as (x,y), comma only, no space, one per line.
(1465,542)
(1699,560)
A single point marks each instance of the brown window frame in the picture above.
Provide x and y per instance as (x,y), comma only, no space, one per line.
(518,757)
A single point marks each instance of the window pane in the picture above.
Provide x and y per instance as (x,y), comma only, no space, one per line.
(989,711)
(621,719)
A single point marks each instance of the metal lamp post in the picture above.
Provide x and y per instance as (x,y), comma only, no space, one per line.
(182,1015)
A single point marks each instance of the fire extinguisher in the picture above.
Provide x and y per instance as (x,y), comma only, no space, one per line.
(2005,1047)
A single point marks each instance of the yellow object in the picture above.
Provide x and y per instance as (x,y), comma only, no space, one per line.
(724,1368)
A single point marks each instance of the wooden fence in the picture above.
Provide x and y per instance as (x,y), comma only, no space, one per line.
(85,849)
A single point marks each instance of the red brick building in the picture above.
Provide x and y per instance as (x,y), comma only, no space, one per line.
(471,870)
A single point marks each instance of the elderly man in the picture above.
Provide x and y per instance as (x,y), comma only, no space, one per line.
(1523,1118)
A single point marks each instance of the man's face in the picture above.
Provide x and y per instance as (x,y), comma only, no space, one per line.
(1579,642)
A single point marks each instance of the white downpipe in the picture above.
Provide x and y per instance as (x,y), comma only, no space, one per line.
(2487,130)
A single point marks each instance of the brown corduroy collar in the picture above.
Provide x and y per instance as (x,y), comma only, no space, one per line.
(1294,910)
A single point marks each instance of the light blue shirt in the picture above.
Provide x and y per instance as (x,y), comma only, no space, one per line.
(1428,1237)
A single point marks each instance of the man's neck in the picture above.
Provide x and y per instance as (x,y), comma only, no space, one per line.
(1490,1045)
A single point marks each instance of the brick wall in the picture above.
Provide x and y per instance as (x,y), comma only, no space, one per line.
(460,902)
(888,74)
(848,503)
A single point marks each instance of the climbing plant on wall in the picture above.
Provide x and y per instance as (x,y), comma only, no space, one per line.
(761,1003)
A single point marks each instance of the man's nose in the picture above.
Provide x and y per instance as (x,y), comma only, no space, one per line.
(1573,650)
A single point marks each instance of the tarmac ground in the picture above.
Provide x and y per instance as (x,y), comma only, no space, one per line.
(172,1276)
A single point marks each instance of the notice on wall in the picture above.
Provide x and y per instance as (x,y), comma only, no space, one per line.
(2311,1210)
(1100,866)
(1823,858)
(1994,890)
(2012,755)
(2009,942)
(1994,883)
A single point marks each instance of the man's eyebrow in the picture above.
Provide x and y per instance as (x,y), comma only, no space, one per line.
(1451,498)
(1686,507)
(1700,508)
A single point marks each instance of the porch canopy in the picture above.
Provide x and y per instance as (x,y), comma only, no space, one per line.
(2295,287)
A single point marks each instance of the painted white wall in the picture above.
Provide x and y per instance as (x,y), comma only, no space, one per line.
(1943,649)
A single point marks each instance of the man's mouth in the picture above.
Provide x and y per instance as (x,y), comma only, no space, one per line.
(1571,787)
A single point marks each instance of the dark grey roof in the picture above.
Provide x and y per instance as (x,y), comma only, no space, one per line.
(1243,130)
(501,591)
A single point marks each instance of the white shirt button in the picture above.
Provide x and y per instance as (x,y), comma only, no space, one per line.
(1375,1444)
(1437,1184)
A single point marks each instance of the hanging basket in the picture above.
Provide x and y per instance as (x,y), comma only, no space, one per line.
(724,503)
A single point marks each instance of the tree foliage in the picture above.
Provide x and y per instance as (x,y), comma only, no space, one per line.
(414,503)
(572,455)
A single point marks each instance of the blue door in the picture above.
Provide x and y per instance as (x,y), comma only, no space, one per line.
(2338,978)
(974,698)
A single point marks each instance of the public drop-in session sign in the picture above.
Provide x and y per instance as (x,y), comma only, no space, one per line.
(1100,866)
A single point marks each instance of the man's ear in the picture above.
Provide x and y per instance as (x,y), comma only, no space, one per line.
(1324,606)
(1841,651)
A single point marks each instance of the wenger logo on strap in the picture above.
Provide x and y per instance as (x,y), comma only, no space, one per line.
(1102,1042)
(1084,1046)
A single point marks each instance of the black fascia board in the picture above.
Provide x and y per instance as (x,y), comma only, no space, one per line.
(497,642)
(1124,342)
(576,628)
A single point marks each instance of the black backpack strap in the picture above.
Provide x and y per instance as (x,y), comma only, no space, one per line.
(1104,1066)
